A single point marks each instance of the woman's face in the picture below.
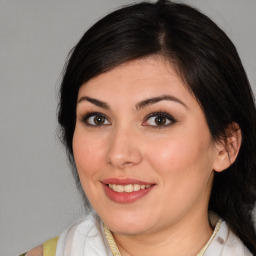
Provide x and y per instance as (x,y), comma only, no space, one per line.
(142,147)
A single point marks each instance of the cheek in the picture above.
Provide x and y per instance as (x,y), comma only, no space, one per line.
(87,153)
(184,171)
(182,154)
(88,157)
(172,158)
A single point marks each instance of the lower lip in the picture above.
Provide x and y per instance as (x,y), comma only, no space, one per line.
(124,197)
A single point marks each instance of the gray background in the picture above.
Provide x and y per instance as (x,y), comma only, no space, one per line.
(38,198)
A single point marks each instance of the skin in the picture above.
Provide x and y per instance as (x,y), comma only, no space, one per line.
(177,155)
(179,158)
(37,251)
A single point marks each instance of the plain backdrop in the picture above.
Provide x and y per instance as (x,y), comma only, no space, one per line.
(38,198)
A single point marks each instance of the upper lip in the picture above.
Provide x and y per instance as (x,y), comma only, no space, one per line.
(126,181)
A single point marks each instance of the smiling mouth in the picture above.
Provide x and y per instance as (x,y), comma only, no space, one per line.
(127,188)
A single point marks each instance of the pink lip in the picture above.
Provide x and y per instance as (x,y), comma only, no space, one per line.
(125,181)
(125,197)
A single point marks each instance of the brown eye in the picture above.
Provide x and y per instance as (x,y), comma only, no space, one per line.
(96,120)
(159,120)
(99,120)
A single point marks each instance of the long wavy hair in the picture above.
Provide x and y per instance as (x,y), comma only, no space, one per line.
(208,63)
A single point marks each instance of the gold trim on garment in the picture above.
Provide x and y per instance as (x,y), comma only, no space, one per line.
(111,241)
(116,252)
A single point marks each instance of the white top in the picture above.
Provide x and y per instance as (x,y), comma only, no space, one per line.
(87,238)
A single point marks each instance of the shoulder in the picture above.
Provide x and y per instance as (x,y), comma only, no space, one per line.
(82,236)
(37,251)
(235,245)
(226,243)
(47,248)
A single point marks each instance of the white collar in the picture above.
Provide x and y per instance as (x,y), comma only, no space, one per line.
(87,238)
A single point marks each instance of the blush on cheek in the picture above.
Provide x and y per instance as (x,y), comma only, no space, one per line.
(88,155)
(180,159)
(172,154)
(84,149)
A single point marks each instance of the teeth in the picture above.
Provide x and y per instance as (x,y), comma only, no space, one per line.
(127,188)
(136,187)
(119,188)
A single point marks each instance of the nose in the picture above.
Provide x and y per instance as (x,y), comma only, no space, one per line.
(124,148)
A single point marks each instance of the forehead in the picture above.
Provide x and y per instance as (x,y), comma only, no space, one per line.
(135,79)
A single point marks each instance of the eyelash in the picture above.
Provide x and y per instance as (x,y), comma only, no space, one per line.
(170,118)
(84,119)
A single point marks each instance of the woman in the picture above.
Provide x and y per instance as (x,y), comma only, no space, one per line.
(159,122)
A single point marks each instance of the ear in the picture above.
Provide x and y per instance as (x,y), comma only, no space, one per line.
(228,148)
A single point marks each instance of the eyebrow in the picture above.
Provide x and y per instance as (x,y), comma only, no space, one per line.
(154,100)
(94,101)
(140,105)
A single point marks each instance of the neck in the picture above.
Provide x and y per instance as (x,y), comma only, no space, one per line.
(182,239)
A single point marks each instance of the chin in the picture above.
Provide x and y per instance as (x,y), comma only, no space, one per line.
(128,224)
(129,230)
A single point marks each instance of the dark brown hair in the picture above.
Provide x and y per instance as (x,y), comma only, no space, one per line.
(209,64)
